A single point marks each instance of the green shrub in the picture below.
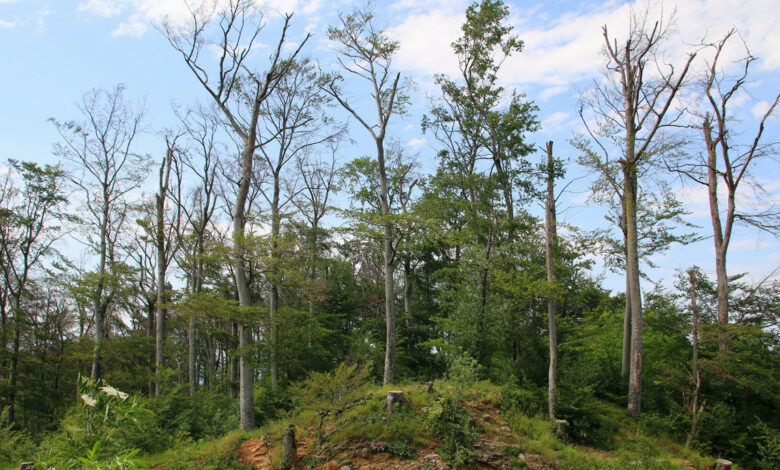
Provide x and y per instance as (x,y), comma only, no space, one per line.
(587,424)
(15,446)
(333,387)
(529,401)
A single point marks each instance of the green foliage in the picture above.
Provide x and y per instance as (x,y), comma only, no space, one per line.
(588,423)
(15,445)
(338,386)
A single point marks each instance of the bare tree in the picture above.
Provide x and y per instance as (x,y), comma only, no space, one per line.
(238,89)
(201,128)
(630,105)
(294,116)
(550,247)
(319,183)
(106,170)
(729,161)
(367,52)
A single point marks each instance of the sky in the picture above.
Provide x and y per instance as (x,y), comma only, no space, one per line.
(53,51)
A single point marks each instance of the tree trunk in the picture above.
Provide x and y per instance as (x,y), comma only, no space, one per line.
(98,300)
(388,268)
(274,281)
(552,303)
(720,239)
(211,364)
(695,373)
(14,369)
(626,331)
(632,271)
(246,378)
(192,370)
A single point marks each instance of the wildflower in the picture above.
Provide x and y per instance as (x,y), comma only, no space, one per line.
(88,400)
(112,392)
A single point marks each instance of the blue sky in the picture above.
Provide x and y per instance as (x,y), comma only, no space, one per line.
(52,51)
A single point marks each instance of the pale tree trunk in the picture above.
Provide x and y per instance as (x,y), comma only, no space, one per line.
(388,267)
(720,237)
(551,236)
(246,377)
(273,341)
(632,271)
(162,263)
(626,332)
(99,304)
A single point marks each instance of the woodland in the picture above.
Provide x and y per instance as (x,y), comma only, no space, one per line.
(252,270)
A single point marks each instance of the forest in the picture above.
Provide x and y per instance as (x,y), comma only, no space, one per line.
(255,271)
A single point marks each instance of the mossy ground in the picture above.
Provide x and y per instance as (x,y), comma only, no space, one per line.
(355,430)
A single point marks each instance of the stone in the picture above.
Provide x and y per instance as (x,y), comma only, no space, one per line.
(723,464)
(394,397)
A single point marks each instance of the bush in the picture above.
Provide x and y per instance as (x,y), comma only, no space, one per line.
(333,387)
(587,424)
(15,446)
(529,401)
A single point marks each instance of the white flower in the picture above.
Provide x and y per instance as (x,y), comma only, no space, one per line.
(111,391)
(88,400)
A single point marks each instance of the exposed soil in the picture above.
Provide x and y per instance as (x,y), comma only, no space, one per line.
(489,452)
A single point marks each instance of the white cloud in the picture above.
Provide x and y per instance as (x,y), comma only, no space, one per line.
(106,8)
(134,27)
(759,109)
(8,24)
(555,121)
(549,92)
(415,142)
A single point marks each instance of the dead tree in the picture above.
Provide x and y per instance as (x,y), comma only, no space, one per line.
(632,105)
(238,88)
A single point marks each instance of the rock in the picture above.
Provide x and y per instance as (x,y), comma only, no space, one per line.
(288,457)
(394,397)
(723,464)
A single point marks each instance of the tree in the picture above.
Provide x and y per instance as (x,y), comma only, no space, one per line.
(367,53)
(631,105)
(550,247)
(106,170)
(729,161)
(294,117)
(201,128)
(29,209)
(166,244)
(238,89)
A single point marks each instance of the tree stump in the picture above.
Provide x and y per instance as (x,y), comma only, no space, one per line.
(395,397)
(723,464)
(288,457)
(561,428)
(429,386)
(26,466)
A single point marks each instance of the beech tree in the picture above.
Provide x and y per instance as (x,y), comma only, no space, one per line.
(31,205)
(367,52)
(238,88)
(630,106)
(106,170)
(729,160)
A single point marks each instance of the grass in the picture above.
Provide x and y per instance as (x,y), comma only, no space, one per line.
(361,419)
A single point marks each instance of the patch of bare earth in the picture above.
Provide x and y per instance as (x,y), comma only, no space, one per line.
(488,453)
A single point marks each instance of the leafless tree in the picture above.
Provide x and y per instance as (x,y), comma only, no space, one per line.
(630,106)
(730,161)
(238,88)
(106,170)
(294,115)
(367,52)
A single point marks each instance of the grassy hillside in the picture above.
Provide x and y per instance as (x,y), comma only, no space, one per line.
(478,425)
